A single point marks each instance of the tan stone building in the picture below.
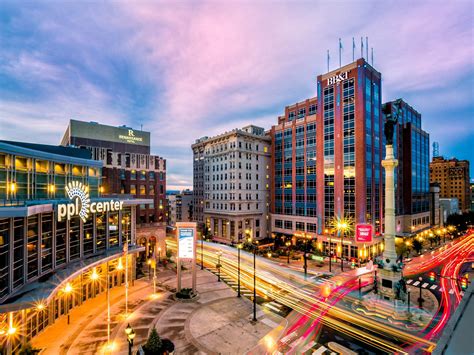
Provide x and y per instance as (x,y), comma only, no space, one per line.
(452,175)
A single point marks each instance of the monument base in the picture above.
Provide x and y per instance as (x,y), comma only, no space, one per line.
(386,282)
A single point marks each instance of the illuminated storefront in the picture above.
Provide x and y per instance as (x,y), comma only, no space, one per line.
(61,241)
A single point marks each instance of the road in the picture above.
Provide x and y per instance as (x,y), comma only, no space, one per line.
(317,307)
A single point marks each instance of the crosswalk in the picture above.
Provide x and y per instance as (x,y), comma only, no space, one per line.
(273,306)
(427,285)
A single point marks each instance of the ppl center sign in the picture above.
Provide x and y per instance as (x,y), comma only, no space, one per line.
(81,203)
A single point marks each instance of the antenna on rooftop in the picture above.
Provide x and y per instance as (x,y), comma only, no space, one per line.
(372,55)
(435,149)
(367,48)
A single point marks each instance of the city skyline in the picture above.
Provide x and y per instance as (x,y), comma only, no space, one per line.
(164,66)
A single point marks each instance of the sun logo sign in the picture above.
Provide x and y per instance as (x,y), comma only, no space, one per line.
(78,193)
(81,203)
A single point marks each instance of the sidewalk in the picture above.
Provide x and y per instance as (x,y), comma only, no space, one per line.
(218,322)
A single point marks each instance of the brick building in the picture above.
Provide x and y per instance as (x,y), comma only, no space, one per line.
(452,175)
(128,169)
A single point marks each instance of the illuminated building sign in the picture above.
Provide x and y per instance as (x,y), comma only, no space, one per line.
(364,233)
(81,203)
(130,138)
(337,78)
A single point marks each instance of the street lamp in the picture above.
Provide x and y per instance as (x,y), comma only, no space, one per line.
(218,265)
(420,299)
(254,247)
(149,270)
(305,257)
(342,226)
(288,244)
(130,336)
(239,246)
(67,291)
(202,246)
(159,255)
(94,277)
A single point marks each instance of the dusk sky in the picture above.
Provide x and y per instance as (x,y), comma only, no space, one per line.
(190,69)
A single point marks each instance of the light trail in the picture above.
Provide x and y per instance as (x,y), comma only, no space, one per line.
(292,294)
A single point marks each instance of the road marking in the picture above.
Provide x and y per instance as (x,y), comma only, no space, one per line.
(416,283)
(272,307)
(425,285)
(269,322)
(433,287)
(409,281)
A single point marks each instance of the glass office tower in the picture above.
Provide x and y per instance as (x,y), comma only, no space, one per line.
(327,157)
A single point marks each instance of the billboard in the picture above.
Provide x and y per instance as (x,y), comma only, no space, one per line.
(186,240)
(92,130)
(364,233)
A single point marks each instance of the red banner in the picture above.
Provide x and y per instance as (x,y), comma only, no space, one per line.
(364,233)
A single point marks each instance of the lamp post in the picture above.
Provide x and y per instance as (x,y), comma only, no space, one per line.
(330,252)
(218,266)
(130,336)
(67,291)
(202,254)
(149,270)
(288,245)
(108,304)
(254,319)
(342,226)
(94,277)
(239,246)
(420,299)
(159,255)
(126,264)
(408,296)
(305,266)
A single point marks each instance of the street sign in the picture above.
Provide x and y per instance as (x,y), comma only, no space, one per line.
(186,235)
(364,233)
(186,243)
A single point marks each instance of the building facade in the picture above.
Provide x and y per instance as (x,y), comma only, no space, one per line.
(180,207)
(128,170)
(326,159)
(231,184)
(452,175)
(57,230)
(128,166)
(412,185)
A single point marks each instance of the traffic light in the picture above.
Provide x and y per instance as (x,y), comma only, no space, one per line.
(432,276)
(353,262)
(463,283)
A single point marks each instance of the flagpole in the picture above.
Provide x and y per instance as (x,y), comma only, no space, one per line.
(353,48)
(328,60)
(340,48)
(367,47)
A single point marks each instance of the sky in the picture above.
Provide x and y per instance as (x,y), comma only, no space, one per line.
(188,69)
